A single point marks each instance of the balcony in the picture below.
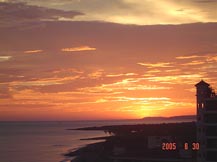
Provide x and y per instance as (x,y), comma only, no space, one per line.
(210,118)
(212,144)
(211,131)
(211,156)
(211,104)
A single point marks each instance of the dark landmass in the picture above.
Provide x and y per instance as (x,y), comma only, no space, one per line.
(132,141)
(147,129)
(96,138)
(183,117)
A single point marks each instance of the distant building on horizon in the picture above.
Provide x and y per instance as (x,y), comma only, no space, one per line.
(206,122)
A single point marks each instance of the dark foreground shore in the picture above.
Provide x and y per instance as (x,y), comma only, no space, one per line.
(139,142)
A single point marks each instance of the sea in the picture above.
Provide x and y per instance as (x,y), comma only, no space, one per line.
(48,141)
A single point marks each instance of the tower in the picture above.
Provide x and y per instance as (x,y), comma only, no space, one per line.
(203,92)
(206,122)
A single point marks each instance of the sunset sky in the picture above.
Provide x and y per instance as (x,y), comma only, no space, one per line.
(104,59)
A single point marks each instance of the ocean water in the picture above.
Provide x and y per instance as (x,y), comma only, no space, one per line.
(48,141)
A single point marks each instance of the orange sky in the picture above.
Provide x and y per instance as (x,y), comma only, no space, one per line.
(66,62)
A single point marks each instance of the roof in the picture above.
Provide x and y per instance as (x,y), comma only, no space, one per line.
(202,83)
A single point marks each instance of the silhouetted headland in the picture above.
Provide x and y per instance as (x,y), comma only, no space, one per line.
(183,117)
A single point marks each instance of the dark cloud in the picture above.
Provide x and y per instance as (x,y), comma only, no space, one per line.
(15,14)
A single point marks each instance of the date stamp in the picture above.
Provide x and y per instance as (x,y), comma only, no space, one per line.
(173,146)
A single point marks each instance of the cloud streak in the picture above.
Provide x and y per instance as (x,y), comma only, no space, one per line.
(33,51)
(78,49)
(5,58)
(155,65)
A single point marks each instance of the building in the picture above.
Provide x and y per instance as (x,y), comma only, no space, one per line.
(156,141)
(206,122)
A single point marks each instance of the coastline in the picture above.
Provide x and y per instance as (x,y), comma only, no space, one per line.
(131,141)
(89,153)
